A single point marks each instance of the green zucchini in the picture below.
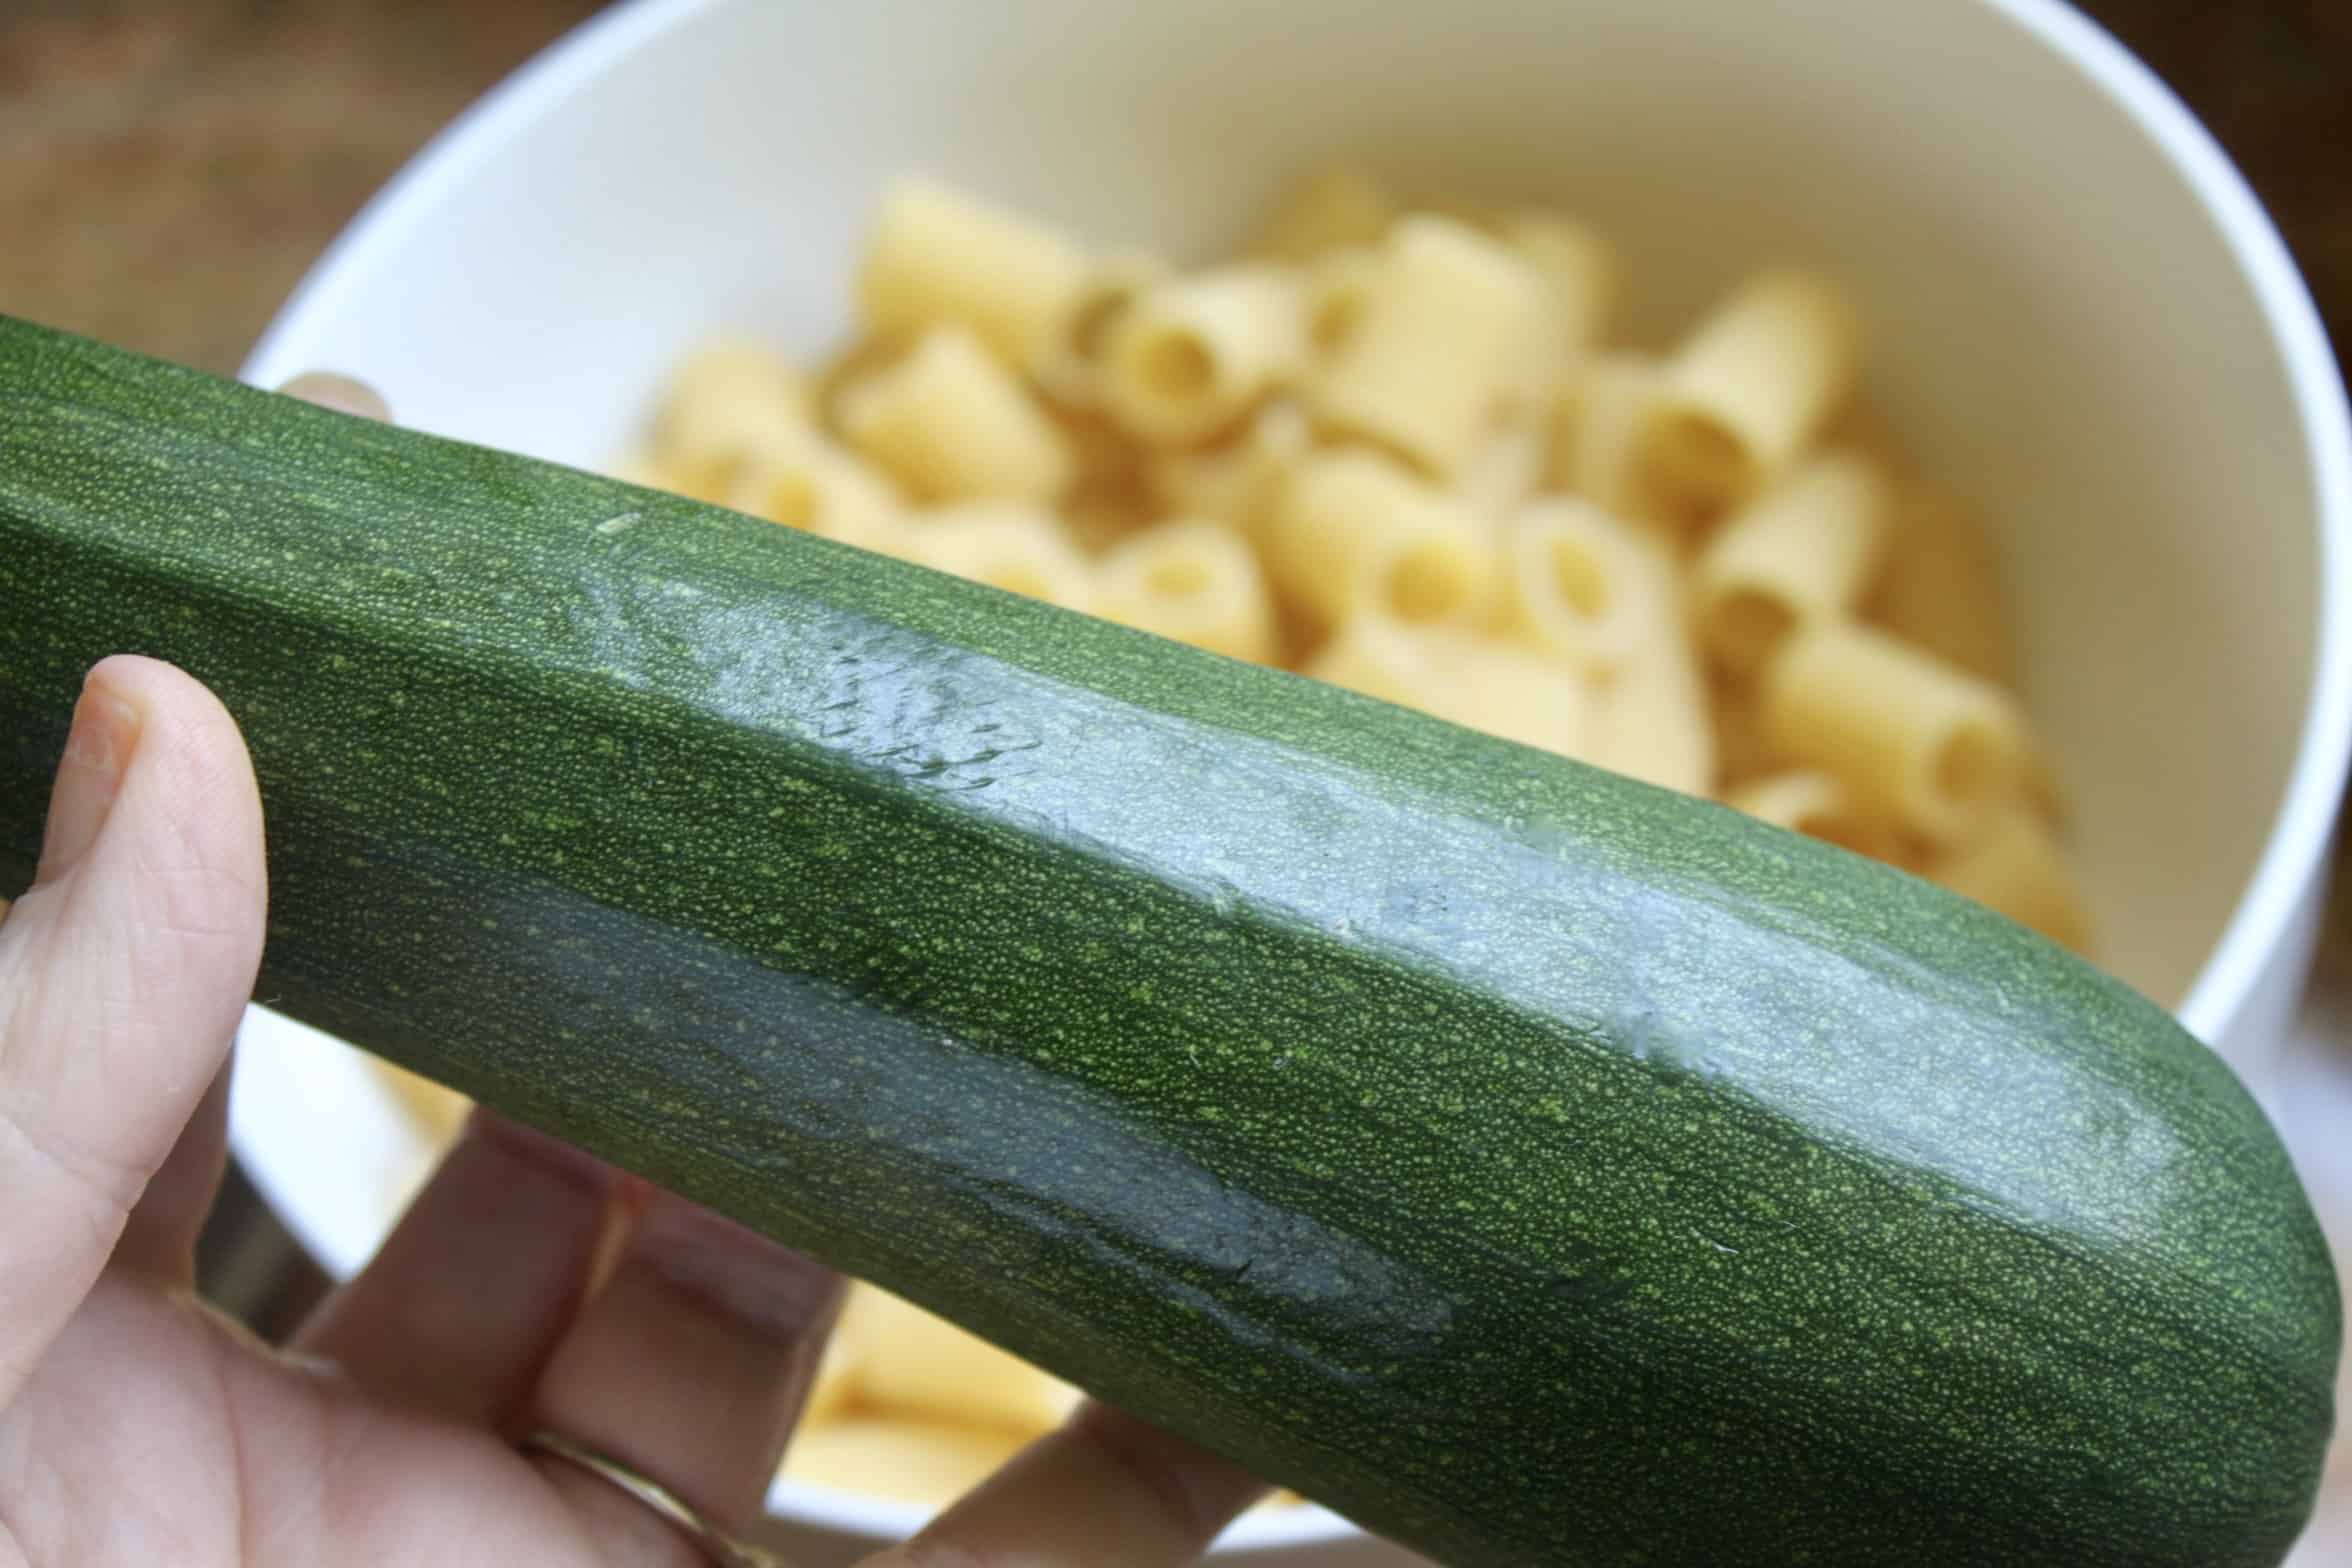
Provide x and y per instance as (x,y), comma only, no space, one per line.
(1535,1166)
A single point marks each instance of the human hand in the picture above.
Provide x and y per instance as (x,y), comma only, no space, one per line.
(529,1288)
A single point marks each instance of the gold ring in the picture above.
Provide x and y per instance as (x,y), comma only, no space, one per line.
(714,1543)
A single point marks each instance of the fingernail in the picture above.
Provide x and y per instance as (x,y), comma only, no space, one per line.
(340,393)
(97,753)
(767,1287)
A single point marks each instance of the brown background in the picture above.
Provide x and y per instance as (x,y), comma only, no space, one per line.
(168,168)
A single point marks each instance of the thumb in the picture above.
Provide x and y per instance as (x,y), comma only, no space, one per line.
(123,972)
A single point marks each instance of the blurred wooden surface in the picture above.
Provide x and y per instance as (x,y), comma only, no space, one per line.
(168,168)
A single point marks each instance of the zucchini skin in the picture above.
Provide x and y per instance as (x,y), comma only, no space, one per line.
(1535,1166)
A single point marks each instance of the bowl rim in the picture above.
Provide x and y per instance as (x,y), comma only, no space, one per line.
(2301,829)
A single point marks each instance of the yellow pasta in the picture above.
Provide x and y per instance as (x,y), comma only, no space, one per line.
(1746,392)
(2018,869)
(1815,804)
(1580,278)
(1331,211)
(1353,533)
(1335,290)
(1514,693)
(1942,587)
(800,479)
(1021,549)
(1805,549)
(1073,366)
(1596,420)
(1504,470)
(1579,584)
(1234,483)
(1191,357)
(922,1462)
(1499,690)
(1437,347)
(1934,749)
(915,1366)
(1650,722)
(728,399)
(951,423)
(937,256)
(1742,755)
(1191,580)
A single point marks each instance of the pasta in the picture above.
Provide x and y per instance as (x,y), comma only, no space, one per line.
(924,1368)
(1437,346)
(1579,275)
(1935,750)
(1395,447)
(1353,532)
(1802,551)
(1480,685)
(1073,367)
(1577,583)
(937,257)
(952,424)
(1595,424)
(1816,804)
(804,481)
(922,1462)
(2016,868)
(1234,484)
(1504,471)
(1744,394)
(1192,581)
(1649,717)
(1329,212)
(1019,549)
(1942,587)
(1190,358)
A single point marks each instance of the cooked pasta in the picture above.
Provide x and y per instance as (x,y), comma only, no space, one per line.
(1923,743)
(937,256)
(1481,685)
(2017,868)
(1020,549)
(1072,371)
(1328,212)
(1191,357)
(1817,805)
(1577,583)
(1436,347)
(952,424)
(800,479)
(1596,422)
(1353,532)
(1234,483)
(1505,469)
(1193,581)
(1745,392)
(1942,587)
(1804,550)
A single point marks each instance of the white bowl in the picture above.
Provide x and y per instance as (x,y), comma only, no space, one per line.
(2078,307)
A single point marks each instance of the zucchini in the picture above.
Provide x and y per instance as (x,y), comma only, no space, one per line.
(1535,1166)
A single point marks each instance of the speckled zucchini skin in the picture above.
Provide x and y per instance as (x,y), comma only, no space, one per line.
(1535,1166)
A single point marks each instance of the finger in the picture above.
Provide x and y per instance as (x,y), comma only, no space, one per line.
(689,1365)
(340,393)
(1104,1491)
(458,1310)
(122,975)
(159,1237)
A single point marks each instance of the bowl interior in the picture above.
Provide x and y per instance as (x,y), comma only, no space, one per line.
(2058,321)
